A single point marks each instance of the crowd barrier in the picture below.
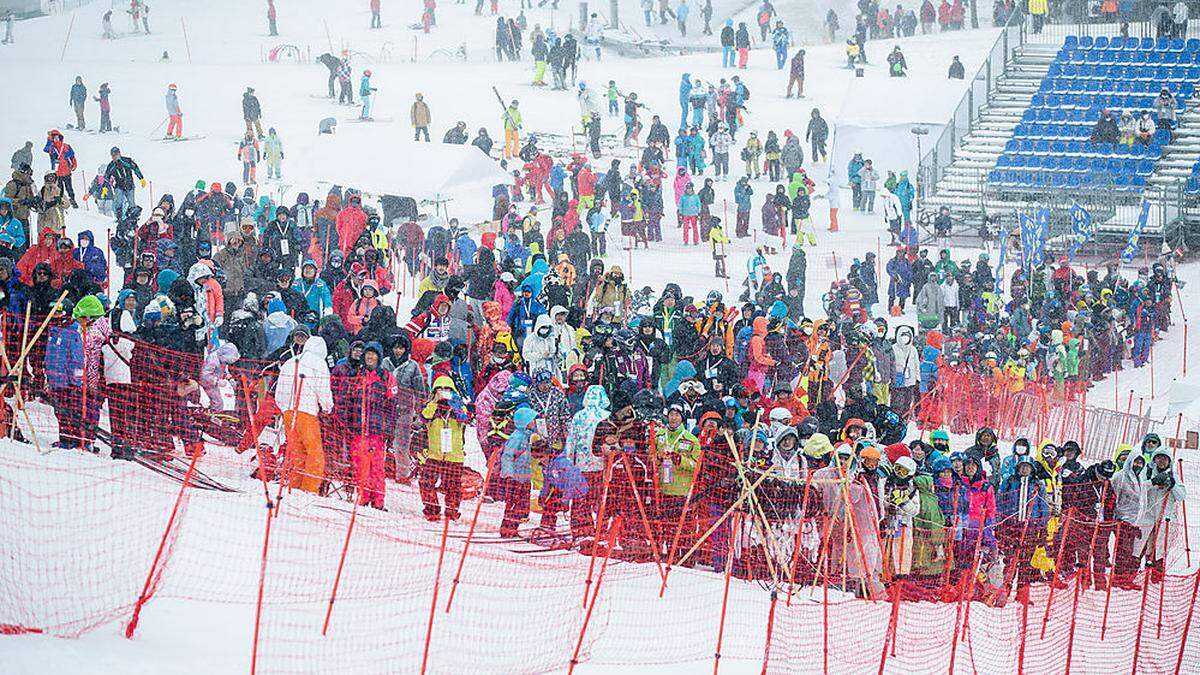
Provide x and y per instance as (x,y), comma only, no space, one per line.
(326,585)
(963,401)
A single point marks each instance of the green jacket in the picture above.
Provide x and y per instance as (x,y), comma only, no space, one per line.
(512,118)
(682,449)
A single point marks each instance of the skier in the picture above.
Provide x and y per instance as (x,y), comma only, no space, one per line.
(817,133)
(78,99)
(727,41)
(376,22)
(22,157)
(62,162)
(174,113)
(420,118)
(271,18)
(273,154)
(105,108)
(331,64)
(9,16)
(797,75)
(252,113)
(249,154)
(118,176)
(512,129)
(365,91)
(344,73)
(781,39)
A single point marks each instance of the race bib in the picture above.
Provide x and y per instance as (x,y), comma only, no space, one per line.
(446,443)
(283,246)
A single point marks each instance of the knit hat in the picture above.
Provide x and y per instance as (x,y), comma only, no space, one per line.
(276,305)
(89,307)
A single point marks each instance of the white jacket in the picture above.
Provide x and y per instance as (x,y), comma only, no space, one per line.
(908,362)
(303,383)
(541,352)
(117,355)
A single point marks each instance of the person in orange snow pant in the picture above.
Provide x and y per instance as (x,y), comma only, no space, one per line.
(305,457)
(302,392)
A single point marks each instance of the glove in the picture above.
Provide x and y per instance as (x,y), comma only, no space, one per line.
(218,321)
(143,182)
(103,193)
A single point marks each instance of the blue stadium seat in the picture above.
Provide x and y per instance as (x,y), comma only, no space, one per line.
(1101,42)
(1192,45)
(1177,44)
(1145,167)
(1086,42)
(1162,44)
(1071,42)
(1147,44)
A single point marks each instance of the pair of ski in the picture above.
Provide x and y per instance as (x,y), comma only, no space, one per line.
(163,464)
(176,469)
(540,543)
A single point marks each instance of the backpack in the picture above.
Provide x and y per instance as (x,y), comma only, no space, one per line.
(745,92)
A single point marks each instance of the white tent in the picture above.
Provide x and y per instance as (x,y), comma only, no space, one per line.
(372,158)
(877,119)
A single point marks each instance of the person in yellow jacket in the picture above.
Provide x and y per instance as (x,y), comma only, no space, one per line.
(717,239)
(445,415)
(678,454)
(302,392)
(1038,10)
(512,127)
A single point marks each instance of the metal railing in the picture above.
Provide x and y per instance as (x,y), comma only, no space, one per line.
(944,149)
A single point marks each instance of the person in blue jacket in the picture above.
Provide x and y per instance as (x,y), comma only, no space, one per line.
(685,94)
(525,310)
(1024,511)
(64,378)
(516,470)
(92,258)
(12,291)
(12,230)
(781,39)
(696,152)
(899,280)
(314,289)
(683,145)
(906,194)
(929,367)
(852,169)
(563,485)
(742,192)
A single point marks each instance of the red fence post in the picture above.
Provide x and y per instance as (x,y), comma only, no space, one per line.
(725,596)
(162,544)
(612,538)
(770,629)
(337,578)
(1187,543)
(1187,625)
(262,580)
(471,532)
(437,582)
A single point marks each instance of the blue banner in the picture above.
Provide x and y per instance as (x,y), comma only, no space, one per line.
(1001,258)
(1041,233)
(1028,235)
(1082,230)
(1134,244)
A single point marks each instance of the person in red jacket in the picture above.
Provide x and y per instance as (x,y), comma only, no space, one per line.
(351,223)
(62,157)
(349,290)
(587,187)
(370,416)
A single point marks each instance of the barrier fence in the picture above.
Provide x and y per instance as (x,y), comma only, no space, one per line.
(964,401)
(798,568)
(374,609)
